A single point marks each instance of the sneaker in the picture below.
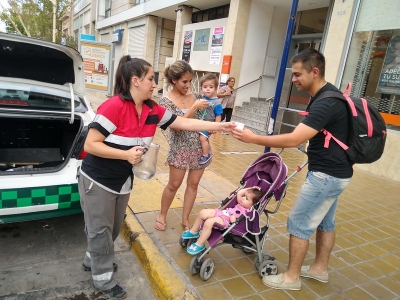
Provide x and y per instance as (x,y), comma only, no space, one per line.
(225,132)
(117,292)
(204,159)
(195,249)
(187,235)
(89,269)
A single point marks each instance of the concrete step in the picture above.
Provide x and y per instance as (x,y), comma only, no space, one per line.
(253,114)
(255,126)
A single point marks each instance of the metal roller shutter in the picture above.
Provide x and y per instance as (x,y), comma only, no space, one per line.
(136,41)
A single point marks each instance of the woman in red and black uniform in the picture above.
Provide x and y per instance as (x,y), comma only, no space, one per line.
(122,124)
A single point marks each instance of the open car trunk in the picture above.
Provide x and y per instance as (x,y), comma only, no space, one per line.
(38,144)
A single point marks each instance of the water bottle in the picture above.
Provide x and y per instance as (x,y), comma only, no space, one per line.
(146,168)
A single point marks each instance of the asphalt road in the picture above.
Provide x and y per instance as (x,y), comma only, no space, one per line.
(42,260)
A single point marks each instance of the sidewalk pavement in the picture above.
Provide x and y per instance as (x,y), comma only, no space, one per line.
(365,261)
(364,264)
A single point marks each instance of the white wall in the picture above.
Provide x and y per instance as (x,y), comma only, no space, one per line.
(275,49)
(258,31)
(200,60)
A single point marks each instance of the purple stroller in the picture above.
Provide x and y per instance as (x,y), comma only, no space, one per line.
(268,172)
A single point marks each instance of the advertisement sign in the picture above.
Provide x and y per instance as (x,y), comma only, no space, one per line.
(216,45)
(187,45)
(389,80)
(96,61)
(201,38)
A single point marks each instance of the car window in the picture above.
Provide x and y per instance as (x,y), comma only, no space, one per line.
(36,97)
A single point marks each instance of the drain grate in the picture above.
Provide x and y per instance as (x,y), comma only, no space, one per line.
(239,152)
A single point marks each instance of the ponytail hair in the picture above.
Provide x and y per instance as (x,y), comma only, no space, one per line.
(129,67)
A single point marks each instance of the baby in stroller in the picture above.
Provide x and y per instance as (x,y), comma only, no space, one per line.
(246,198)
(268,174)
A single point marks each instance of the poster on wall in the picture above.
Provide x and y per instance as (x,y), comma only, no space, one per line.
(96,64)
(389,80)
(201,38)
(216,45)
(187,45)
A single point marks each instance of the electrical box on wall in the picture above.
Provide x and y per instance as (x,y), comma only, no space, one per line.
(271,64)
(117,36)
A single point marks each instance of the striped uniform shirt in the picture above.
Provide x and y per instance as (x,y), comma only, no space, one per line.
(119,122)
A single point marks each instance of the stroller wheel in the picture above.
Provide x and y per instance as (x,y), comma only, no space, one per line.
(183,242)
(207,269)
(195,265)
(267,267)
(246,250)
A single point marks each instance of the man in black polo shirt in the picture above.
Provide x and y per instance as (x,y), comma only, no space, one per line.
(329,172)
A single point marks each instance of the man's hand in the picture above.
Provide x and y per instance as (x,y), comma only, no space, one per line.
(244,135)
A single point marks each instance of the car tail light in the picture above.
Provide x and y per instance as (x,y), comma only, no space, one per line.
(82,155)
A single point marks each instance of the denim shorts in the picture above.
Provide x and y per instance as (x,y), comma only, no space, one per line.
(316,204)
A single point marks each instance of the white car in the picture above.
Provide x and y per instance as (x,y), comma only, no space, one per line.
(44,120)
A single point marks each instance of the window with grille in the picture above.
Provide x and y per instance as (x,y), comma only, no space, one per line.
(214,13)
(107,11)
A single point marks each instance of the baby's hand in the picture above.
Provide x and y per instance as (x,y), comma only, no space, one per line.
(232,219)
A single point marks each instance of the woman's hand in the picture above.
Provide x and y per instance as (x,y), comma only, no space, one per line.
(228,126)
(228,93)
(134,155)
(200,104)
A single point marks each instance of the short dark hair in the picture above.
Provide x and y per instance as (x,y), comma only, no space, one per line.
(207,77)
(310,58)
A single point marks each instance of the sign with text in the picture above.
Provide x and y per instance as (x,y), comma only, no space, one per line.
(187,45)
(216,45)
(96,61)
(389,80)
(201,38)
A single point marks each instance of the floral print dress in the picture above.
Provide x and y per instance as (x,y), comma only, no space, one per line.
(184,146)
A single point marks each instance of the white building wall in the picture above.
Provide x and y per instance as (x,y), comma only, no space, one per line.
(274,49)
(200,60)
(258,30)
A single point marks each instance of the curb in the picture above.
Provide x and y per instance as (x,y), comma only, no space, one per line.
(158,269)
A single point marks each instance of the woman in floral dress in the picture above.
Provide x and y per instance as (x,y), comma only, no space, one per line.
(185,149)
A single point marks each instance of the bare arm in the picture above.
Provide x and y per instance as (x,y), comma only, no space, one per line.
(300,134)
(197,105)
(221,93)
(198,125)
(94,145)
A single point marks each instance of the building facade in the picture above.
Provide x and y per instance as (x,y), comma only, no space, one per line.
(245,39)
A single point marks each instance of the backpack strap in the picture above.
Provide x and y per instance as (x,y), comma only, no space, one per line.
(329,136)
(332,94)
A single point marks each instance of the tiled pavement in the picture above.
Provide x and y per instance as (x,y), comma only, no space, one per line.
(365,261)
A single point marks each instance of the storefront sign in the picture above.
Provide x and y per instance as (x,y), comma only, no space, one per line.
(389,81)
(201,38)
(187,45)
(216,45)
(96,61)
